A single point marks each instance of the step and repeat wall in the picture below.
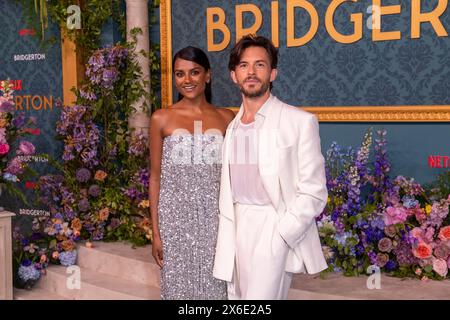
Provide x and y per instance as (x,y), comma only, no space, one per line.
(336,54)
(36,73)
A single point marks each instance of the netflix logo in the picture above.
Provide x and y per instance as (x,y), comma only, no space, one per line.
(27,32)
(33,131)
(30,185)
(439,161)
(16,85)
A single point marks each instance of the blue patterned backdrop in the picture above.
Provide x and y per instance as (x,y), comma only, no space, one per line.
(39,78)
(325,72)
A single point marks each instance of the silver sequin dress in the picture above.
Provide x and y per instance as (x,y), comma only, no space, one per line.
(189,215)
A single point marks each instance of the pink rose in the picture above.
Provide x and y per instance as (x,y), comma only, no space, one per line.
(394,215)
(390,231)
(440,266)
(422,251)
(444,233)
(4,149)
(441,251)
(382,259)
(385,245)
(26,148)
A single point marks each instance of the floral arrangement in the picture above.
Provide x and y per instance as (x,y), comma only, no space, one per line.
(102,192)
(30,256)
(373,219)
(101,189)
(27,264)
(12,167)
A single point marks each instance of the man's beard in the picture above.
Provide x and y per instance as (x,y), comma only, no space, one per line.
(258,93)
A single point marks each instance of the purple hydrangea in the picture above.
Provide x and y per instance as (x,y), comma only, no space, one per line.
(29,272)
(404,254)
(68,258)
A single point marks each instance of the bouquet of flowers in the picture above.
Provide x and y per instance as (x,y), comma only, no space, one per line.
(30,256)
(12,166)
(101,192)
(372,219)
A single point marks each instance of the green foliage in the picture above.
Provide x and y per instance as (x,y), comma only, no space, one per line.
(440,188)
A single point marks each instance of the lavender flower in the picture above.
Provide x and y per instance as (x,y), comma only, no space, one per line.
(88,95)
(373,257)
(81,135)
(409,185)
(109,76)
(138,145)
(132,193)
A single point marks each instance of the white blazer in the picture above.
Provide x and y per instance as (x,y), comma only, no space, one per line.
(292,170)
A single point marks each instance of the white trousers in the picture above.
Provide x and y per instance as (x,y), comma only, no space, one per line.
(261,254)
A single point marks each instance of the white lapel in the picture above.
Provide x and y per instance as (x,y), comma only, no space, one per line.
(268,155)
(226,196)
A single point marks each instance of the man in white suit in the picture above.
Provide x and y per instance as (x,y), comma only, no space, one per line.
(273,184)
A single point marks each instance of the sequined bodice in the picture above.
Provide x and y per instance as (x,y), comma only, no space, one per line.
(188,213)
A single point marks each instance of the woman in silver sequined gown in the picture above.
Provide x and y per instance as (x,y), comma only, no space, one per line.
(185,151)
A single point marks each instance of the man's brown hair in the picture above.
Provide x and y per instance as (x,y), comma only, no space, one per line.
(252,40)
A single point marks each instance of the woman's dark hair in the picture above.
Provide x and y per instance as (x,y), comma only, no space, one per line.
(199,57)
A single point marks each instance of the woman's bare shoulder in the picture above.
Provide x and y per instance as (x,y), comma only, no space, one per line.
(226,113)
(163,113)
